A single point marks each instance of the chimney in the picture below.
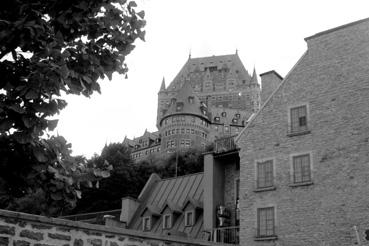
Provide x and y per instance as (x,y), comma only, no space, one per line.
(129,207)
(269,83)
(213,189)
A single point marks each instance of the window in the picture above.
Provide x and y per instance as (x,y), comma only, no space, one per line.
(179,106)
(188,143)
(167,221)
(191,100)
(224,114)
(182,130)
(264,174)
(298,119)
(216,119)
(192,131)
(188,131)
(189,220)
(146,223)
(265,222)
(193,119)
(301,169)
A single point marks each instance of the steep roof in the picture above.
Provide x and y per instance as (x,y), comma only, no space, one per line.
(194,69)
(172,192)
(193,107)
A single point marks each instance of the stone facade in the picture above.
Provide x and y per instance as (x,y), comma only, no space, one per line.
(18,229)
(331,81)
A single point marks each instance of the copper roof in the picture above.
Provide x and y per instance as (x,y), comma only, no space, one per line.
(173,193)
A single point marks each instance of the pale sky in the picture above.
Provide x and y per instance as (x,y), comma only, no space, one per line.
(268,34)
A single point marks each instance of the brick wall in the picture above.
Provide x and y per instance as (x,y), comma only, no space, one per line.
(332,78)
(19,229)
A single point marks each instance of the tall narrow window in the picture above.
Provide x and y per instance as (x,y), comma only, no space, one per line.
(301,168)
(264,174)
(299,119)
(189,218)
(265,222)
(167,221)
(146,223)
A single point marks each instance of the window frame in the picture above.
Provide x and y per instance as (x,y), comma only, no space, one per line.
(258,164)
(144,219)
(300,130)
(259,234)
(292,169)
(170,221)
(192,212)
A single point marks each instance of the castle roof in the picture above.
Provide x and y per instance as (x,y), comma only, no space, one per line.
(186,102)
(194,70)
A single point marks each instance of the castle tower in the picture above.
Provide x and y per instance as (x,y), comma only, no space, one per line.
(185,123)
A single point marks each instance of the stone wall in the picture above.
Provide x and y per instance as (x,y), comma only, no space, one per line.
(19,229)
(332,79)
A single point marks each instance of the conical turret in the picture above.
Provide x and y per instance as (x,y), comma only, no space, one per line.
(162,87)
(254,79)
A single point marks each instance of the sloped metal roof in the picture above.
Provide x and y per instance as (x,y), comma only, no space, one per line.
(174,191)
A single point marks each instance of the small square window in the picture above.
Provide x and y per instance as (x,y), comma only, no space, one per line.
(189,218)
(298,119)
(301,169)
(167,221)
(146,223)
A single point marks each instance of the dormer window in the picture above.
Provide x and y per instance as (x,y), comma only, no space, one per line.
(191,100)
(179,106)
(234,120)
(224,114)
(146,223)
(173,101)
(189,218)
(216,119)
(237,116)
(167,221)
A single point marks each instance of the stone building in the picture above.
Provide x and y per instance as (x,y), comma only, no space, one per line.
(210,97)
(304,156)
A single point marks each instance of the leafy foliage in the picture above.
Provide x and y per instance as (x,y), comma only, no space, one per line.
(48,47)
(128,178)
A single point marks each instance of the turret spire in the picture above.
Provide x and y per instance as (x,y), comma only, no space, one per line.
(254,78)
(162,87)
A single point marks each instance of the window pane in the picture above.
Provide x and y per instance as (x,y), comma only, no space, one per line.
(298,119)
(265,222)
(265,174)
(301,168)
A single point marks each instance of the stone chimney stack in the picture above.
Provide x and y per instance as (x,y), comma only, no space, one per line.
(129,207)
(269,83)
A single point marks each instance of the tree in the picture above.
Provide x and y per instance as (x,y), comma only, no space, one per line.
(47,48)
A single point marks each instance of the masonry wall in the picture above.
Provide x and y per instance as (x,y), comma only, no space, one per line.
(332,78)
(231,173)
(19,229)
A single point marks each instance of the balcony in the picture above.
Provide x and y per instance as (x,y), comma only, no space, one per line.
(230,235)
(225,144)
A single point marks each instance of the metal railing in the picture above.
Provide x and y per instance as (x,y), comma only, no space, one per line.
(225,144)
(229,235)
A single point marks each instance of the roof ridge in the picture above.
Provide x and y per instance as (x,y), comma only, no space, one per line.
(191,174)
(336,28)
(269,98)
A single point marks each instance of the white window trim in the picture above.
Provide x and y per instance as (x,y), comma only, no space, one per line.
(308,122)
(193,218)
(148,218)
(311,165)
(273,159)
(170,221)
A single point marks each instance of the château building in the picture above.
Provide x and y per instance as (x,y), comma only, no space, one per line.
(209,98)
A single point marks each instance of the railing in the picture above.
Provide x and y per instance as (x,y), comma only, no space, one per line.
(225,144)
(229,235)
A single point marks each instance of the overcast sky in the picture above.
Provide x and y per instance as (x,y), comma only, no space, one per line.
(268,35)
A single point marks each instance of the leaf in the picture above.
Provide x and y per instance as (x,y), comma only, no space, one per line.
(51,124)
(31,94)
(39,154)
(141,14)
(87,79)
(17,109)
(56,196)
(79,194)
